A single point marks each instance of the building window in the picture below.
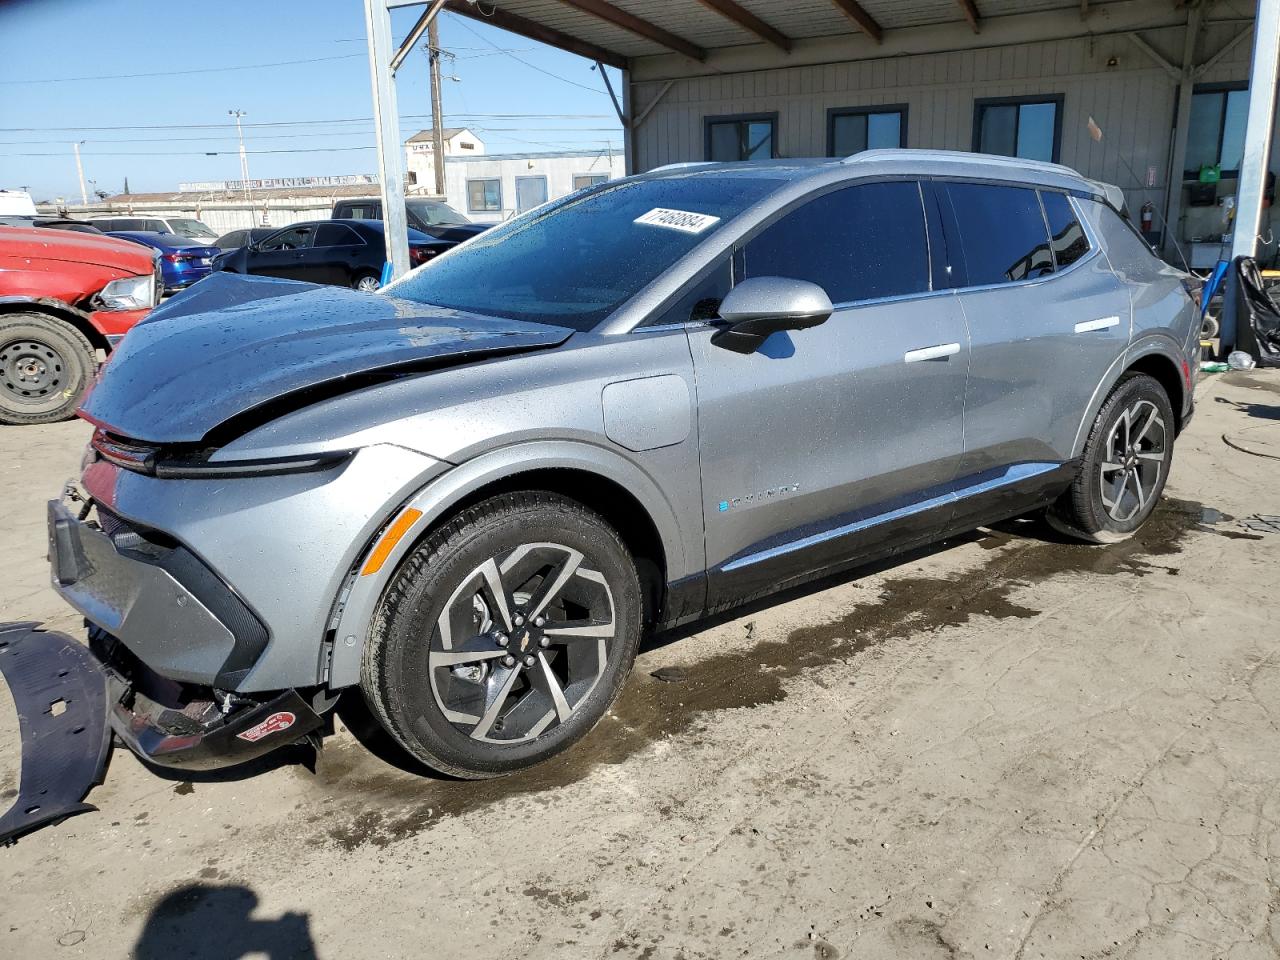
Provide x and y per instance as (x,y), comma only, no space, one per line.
(1026,127)
(467,146)
(1215,133)
(583,180)
(530,192)
(851,130)
(484,196)
(743,137)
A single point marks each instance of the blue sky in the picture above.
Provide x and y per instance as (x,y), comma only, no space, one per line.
(49,42)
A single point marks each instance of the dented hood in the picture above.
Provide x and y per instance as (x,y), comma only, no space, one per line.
(234,344)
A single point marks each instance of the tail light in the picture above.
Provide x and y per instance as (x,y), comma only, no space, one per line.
(420,255)
(178,257)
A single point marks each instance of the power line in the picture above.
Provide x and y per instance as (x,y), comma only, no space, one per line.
(303,123)
(179,73)
(297,136)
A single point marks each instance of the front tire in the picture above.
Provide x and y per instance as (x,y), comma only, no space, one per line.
(1125,465)
(46,365)
(504,636)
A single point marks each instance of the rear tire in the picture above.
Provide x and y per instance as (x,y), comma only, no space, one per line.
(504,636)
(1125,465)
(46,365)
(368,282)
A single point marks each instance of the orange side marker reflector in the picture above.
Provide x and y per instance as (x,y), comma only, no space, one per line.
(389,540)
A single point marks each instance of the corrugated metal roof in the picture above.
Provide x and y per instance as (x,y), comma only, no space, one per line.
(695,22)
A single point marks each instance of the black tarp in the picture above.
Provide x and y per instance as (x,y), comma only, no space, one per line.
(1257,316)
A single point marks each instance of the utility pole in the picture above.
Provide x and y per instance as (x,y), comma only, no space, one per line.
(84,196)
(244,165)
(437,110)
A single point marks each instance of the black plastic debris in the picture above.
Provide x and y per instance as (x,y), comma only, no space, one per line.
(60,693)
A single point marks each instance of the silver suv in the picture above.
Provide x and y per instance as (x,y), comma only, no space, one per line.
(468,496)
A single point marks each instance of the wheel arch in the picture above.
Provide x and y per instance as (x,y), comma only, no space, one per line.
(600,479)
(58,310)
(1157,357)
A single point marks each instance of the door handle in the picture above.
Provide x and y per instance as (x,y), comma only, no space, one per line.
(1085,326)
(940,352)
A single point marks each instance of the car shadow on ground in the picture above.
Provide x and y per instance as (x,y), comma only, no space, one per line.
(206,921)
(1022,528)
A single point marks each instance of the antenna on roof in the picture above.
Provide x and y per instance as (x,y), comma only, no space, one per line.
(1095,132)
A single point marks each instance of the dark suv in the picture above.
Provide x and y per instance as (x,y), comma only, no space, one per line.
(435,218)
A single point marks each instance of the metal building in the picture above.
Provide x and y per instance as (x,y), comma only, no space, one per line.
(1153,95)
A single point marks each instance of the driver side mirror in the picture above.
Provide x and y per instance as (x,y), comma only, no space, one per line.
(761,306)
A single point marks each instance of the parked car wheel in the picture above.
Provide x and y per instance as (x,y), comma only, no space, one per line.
(45,367)
(505,635)
(368,282)
(1126,463)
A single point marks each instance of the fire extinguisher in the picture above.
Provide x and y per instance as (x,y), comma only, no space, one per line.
(1147,216)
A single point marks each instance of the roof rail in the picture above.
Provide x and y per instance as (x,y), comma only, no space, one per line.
(959,156)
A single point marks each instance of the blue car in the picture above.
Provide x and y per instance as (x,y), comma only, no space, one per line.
(182,261)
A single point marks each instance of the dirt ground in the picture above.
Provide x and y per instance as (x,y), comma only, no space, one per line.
(1005,747)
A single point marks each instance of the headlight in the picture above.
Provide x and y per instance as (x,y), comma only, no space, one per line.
(129,293)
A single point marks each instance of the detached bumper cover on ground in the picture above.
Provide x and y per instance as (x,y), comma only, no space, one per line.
(60,692)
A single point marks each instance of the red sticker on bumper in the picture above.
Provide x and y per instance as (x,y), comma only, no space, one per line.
(273,724)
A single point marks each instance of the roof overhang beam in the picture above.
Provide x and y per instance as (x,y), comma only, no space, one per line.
(866,23)
(639,26)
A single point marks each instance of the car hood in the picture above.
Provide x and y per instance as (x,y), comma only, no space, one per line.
(40,243)
(248,348)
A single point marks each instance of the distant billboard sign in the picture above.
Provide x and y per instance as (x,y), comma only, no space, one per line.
(215,186)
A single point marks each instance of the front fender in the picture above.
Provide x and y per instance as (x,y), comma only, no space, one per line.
(441,495)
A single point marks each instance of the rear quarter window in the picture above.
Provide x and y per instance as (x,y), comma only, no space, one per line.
(1127,252)
(1066,236)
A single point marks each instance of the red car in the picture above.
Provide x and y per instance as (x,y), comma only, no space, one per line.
(63,297)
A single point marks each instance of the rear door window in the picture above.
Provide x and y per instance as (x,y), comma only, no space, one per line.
(859,243)
(1066,236)
(335,235)
(1001,234)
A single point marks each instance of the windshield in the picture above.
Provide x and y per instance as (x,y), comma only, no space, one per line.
(575,262)
(436,214)
(189,228)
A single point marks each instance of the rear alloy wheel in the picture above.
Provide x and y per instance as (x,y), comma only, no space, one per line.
(504,636)
(367,282)
(1126,463)
(45,367)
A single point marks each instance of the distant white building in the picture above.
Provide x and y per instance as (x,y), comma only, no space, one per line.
(419,154)
(495,187)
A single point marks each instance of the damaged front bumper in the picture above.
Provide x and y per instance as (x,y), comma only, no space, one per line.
(71,697)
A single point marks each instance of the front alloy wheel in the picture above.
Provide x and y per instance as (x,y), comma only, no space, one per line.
(521,643)
(504,636)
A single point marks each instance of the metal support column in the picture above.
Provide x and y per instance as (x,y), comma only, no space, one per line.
(1182,121)
(1257,149)
(386,120)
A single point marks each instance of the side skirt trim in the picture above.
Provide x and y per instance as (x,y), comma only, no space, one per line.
(1008,476)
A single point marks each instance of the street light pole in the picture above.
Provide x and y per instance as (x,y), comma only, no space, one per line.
(244,164)
(84,196)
